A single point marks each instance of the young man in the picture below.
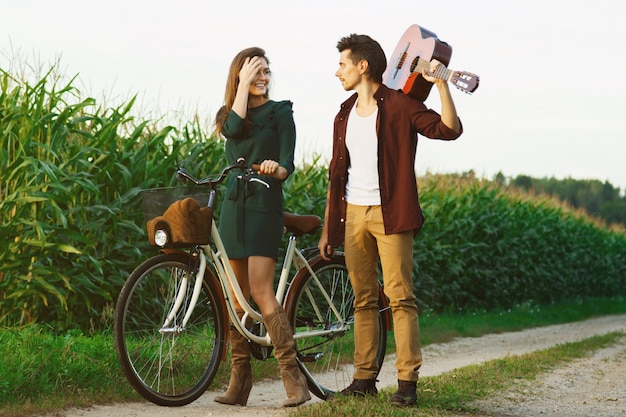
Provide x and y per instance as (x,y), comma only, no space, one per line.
(372,204)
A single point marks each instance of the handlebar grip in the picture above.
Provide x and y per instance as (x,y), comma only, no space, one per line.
(242,162)
(181,177)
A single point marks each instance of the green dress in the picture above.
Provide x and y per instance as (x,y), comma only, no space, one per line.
(251,219)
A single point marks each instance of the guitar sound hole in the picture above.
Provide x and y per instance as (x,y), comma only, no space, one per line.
(414,63)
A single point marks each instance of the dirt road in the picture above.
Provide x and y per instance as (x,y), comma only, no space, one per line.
(592,387)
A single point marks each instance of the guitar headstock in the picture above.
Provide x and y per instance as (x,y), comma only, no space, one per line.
(465,81)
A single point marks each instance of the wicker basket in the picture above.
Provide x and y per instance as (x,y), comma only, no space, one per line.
(185,227)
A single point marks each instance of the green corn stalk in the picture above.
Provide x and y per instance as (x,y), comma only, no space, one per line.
(72,227)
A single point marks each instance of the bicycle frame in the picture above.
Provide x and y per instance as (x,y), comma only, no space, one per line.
(231,288)
(191,317)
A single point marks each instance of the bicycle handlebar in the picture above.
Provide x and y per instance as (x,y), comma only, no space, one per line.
(183,176)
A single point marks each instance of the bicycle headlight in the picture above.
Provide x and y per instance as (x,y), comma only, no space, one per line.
(160,237)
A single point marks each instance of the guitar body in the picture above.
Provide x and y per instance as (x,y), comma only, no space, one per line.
(415,44)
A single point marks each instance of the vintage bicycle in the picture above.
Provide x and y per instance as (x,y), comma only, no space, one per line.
(173,312)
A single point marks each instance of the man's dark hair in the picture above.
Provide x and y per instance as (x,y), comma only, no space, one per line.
(364,47)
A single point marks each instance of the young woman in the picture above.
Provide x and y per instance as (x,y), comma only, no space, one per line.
(251,224)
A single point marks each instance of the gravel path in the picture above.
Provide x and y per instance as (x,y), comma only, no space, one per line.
(591,387)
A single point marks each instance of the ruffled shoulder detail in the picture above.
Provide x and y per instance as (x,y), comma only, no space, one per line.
(283,105)
(279,109)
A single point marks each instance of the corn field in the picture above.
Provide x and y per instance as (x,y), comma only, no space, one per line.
(72,228)
(72,172)
(485,248)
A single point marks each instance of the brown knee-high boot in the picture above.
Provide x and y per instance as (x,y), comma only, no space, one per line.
(281,333)
(240,372)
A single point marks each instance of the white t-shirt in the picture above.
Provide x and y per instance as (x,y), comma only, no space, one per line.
(363,187)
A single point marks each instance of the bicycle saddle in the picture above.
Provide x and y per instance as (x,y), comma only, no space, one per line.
(301,224)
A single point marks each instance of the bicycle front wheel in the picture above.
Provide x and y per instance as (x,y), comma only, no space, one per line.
(326,360)
(167,363)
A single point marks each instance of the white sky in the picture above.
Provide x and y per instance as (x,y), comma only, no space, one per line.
(549,102)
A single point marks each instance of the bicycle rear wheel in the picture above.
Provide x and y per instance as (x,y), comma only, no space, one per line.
(326,361)
(167,364)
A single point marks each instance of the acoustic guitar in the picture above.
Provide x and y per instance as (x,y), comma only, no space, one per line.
(413,53)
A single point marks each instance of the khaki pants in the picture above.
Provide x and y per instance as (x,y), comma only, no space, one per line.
(365,243)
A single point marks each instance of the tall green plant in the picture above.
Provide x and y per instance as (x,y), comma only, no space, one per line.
(72,226)
(72,223)
(484,248)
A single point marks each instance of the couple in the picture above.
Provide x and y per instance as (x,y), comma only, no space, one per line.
(372,208)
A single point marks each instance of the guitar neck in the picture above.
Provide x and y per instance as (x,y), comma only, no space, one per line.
(441,72)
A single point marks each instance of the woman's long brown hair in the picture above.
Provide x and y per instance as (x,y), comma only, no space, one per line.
(232,83)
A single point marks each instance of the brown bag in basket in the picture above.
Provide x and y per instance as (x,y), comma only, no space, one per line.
(186,223)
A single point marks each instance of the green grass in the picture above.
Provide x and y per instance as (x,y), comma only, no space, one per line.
(437,328)
(42,371)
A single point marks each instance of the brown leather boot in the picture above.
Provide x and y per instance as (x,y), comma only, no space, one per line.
(281,333)
(406,395)
(361,388)
(240,372)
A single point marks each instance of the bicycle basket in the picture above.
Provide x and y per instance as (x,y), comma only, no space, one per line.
(178,215)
